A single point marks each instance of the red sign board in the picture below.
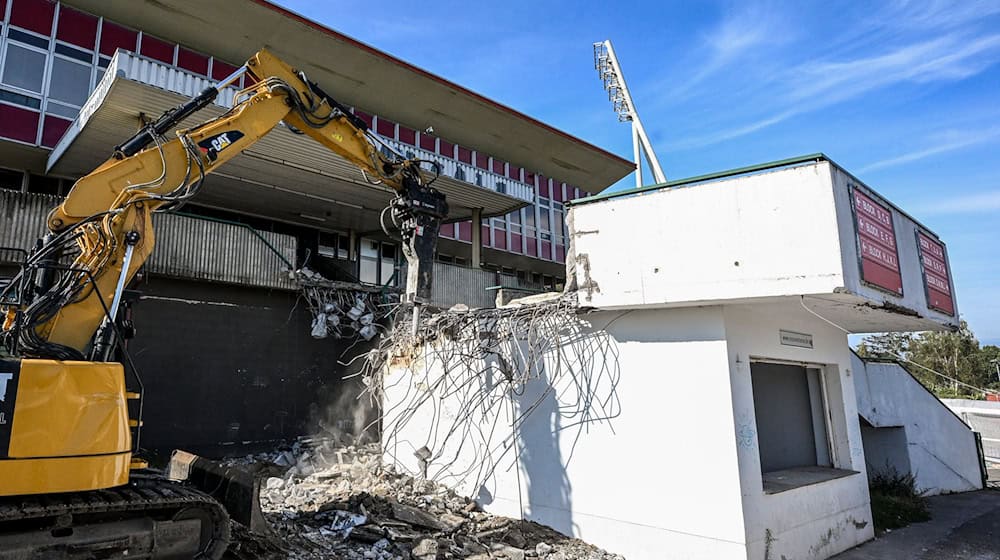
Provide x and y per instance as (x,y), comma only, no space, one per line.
(937,279)
(876,243)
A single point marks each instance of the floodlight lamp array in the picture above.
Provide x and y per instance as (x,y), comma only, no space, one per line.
(606,71)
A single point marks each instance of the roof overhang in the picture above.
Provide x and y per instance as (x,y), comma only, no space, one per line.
(284,176)
(360,75)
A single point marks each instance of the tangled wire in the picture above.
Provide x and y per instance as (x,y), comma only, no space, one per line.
(459,392)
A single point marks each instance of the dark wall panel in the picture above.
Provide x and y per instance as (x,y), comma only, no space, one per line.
(230,369)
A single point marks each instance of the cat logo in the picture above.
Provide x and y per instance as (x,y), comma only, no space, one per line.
(212,145)
(220,142)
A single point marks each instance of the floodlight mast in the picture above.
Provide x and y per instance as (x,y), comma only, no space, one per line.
(611,76)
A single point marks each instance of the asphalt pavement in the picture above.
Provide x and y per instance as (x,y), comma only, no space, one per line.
(962,527)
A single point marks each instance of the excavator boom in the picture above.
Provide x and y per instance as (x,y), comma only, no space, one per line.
(65,423)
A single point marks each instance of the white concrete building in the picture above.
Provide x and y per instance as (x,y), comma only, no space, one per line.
(726,426)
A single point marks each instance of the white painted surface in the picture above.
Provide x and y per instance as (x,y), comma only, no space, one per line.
(627,485)
(819,520)
(677,470)
(941,448)
(788,232)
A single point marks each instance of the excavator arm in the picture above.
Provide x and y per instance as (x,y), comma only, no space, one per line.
(105,221)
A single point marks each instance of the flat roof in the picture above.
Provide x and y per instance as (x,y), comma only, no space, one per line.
(363,76)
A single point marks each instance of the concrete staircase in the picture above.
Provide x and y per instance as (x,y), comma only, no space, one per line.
(906,427)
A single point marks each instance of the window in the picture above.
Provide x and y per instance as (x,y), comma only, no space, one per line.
(368,271)
(23,68)
(791,422)
(69,82)
(334,245)
(19,99)
(11,180)
(388,265)
(377,263)
(514,219)
(41,184)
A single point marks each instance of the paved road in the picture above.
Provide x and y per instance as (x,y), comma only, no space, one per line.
(963,527)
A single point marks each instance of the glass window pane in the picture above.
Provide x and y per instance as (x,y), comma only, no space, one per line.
(368,271)
(369,248)
(19,99)
(24,68)
(28,38)
(388,269)
(62,110)
(81,55)
(70,81)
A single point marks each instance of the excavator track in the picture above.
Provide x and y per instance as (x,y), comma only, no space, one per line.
(150,518)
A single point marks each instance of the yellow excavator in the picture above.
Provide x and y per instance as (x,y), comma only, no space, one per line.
(71,485)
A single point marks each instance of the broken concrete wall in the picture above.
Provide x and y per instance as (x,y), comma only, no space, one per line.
(659,473)
(229,368)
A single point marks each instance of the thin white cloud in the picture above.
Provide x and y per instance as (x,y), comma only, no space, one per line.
(953,141)
(974,203)
(939,14)
(741,32)
(815,85)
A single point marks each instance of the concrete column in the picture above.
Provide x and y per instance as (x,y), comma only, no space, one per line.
(477,237)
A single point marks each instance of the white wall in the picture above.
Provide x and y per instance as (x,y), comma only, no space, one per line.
(941,449)
(786,232)
(678,469)
(661,476)
(770,234)
(813,521)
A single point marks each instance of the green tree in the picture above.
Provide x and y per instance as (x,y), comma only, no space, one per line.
(889,345)
(964,365)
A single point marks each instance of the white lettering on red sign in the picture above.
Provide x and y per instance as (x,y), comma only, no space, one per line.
(867,206)
(876,232)
(877,243)
(930,247)
(878,254)
(936,274)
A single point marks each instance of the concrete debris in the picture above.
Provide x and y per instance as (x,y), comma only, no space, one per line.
(330,501)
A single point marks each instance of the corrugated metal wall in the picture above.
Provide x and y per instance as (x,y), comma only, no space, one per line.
(185,247)
(205,250)
(457,284)
(22,219)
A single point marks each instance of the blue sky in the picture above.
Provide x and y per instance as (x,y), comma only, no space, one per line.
(905,95)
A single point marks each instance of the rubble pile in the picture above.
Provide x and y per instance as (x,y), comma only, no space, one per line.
(341,502)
